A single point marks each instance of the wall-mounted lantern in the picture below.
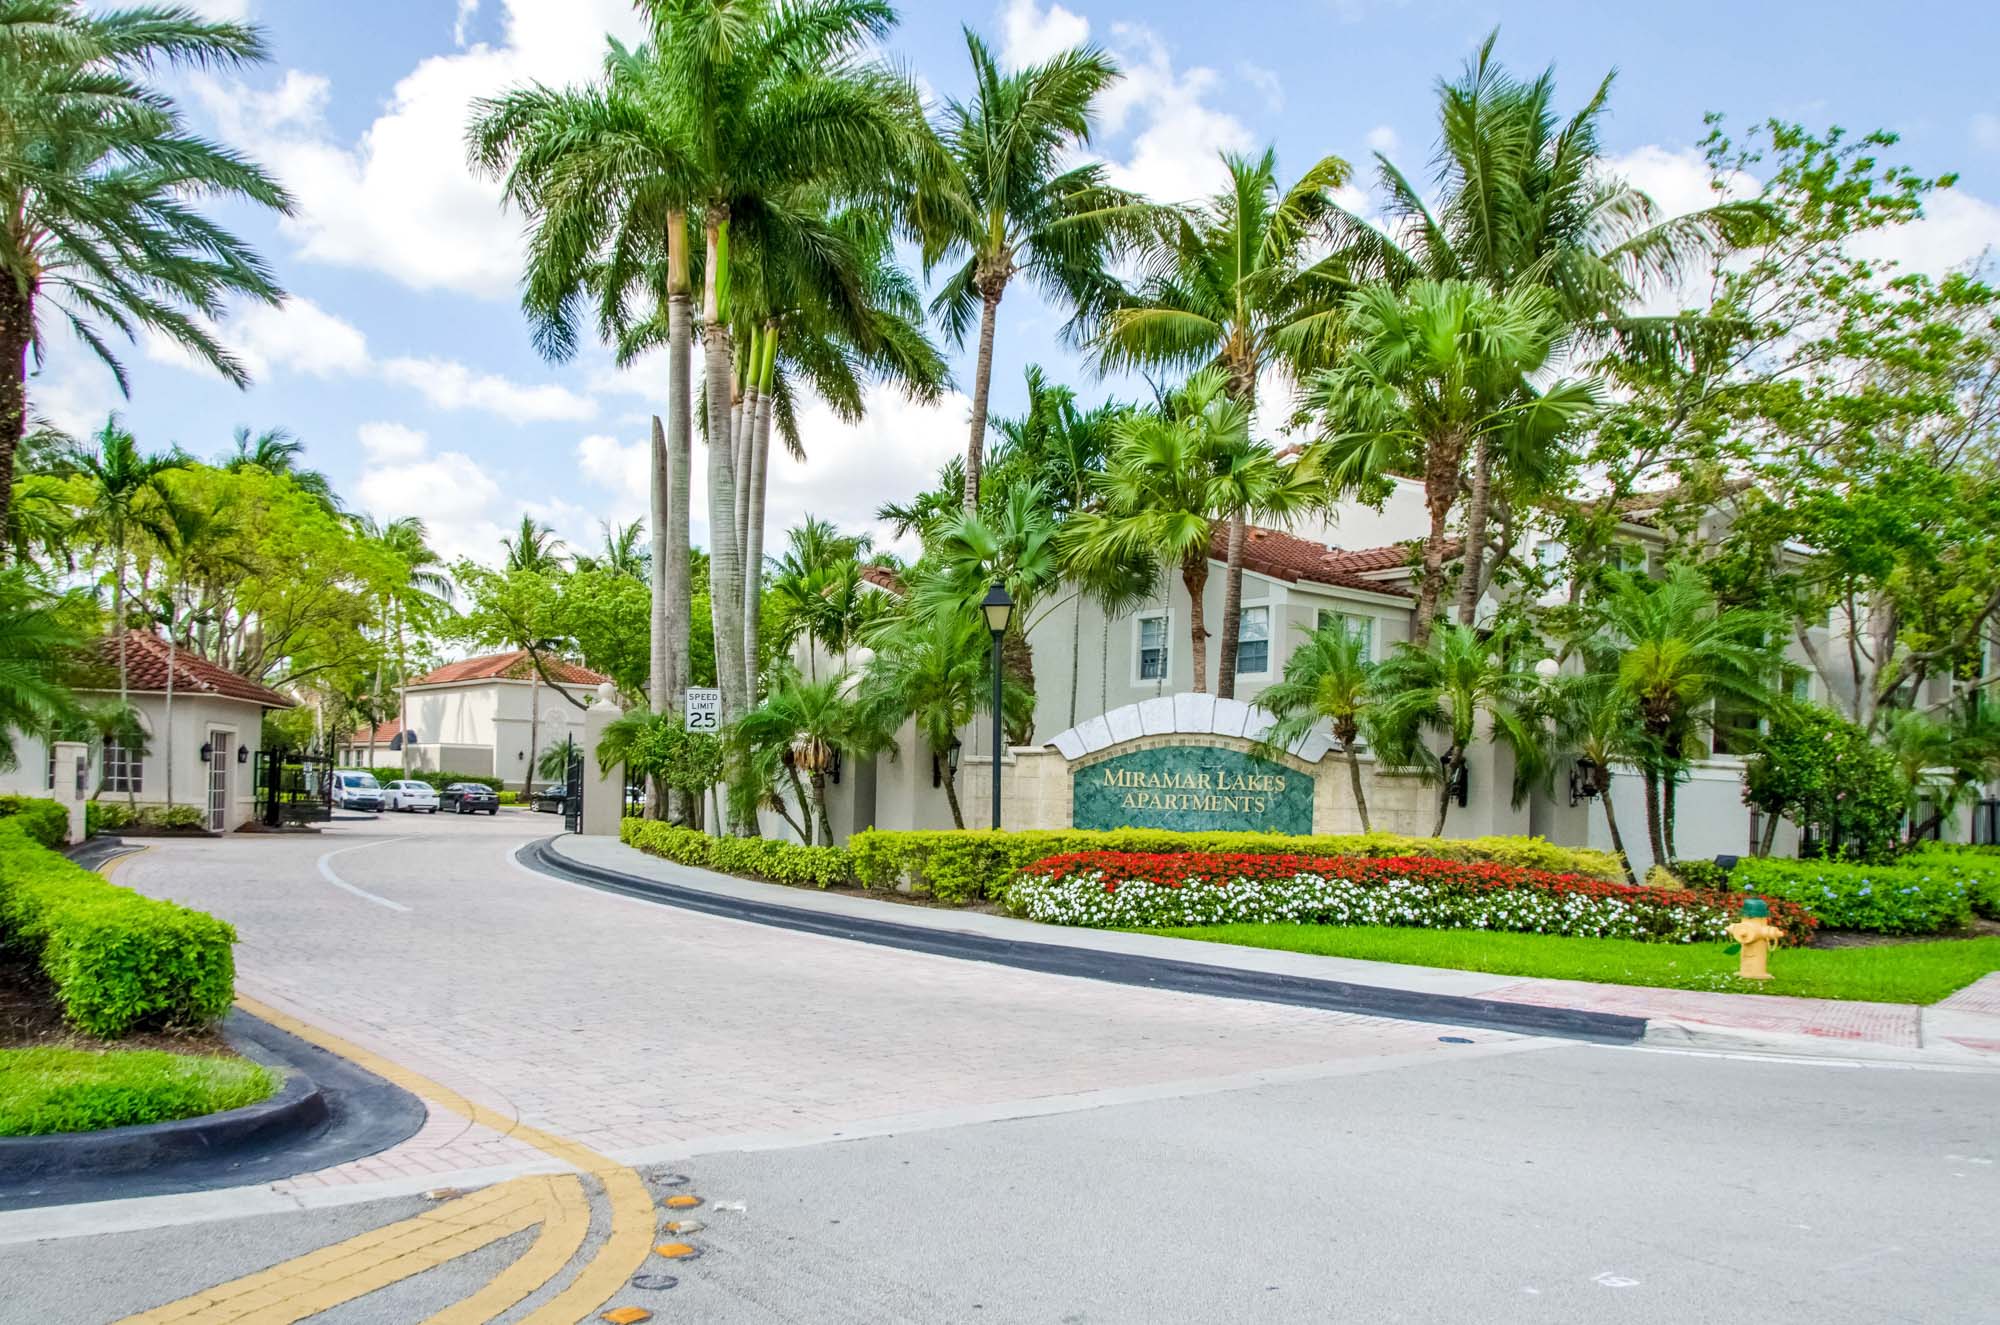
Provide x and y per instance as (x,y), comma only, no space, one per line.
(207,753)
(242,754)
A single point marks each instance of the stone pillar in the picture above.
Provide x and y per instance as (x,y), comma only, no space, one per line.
(72,787)
(603,793)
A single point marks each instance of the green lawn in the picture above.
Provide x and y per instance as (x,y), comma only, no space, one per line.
(1898,973)
(80,1090)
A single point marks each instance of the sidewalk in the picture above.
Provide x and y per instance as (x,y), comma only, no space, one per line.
(1962,1030)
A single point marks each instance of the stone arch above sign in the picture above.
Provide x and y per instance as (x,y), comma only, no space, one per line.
(1180,715)
(1189,763)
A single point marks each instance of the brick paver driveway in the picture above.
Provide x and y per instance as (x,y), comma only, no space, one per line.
(647,1032)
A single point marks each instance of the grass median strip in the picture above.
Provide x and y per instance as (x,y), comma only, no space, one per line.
(44,1091)
(1892,973)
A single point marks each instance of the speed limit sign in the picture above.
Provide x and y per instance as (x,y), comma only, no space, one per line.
(704,709)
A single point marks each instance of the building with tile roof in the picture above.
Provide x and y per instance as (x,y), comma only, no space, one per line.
(487,715)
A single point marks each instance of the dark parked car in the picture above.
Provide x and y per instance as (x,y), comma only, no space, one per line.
(470,798)
(549,800)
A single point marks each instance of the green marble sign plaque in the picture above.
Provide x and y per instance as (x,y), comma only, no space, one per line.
(1192,789)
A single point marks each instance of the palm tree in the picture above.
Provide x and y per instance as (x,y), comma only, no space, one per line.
(37,648)
(1012,541)
(935,670)
(1525,199)
(819,593)
(1235,283)
(1326,680)
(1430,375)
(196,542)
(124,493)
(276,451)
(1598,720)
(999,191)
(803,725)
(1676,653)
(1448,687)
(534,547)
(623,553)
(95,183)
(420,583)
(1174,477)
(1061,448)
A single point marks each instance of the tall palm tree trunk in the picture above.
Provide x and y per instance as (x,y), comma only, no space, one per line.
(1451,763)
(1667,818)
(16,326)
(725,562)
(1652,782)
(680,476)
(1441,465)
(982,383)
(169,741)
(1194,575)
(753,546)
(1354,780)
(1477,506)
(1232,607)
(402,686)
(659,670)
(118,624)
(1075,652)
(950,780)
(1617,838)
(534,732)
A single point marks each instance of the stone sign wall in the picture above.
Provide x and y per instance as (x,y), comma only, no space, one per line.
(1192,789)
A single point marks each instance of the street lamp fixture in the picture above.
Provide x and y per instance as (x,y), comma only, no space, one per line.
(998,608)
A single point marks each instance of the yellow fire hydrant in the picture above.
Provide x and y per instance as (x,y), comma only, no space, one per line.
(1756,935)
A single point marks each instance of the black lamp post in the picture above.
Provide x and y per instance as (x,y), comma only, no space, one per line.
(999,610)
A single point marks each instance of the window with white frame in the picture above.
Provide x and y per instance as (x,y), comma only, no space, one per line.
(1253,641)
(1355,624)
(1153,657)
(123,767)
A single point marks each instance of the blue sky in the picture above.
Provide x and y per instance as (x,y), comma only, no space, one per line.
(403,363)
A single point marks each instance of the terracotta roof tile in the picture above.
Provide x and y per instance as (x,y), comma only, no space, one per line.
(515,666)
(384,733)
(146,671)
(1284,556)
(883,578)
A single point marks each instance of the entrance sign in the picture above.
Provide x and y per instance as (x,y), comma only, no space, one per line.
(1192,789)
(704,709)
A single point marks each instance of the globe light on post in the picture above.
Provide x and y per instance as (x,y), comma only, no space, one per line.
(998,608)
(1548,669)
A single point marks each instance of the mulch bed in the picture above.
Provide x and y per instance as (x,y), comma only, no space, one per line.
(1980,928)
(30,1018)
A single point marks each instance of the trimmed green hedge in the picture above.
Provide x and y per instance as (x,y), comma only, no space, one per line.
(438,781)
(966,866)
(118,961)
(1978,866)
(755,857)
(1907,898)
(46,821)
(112,816)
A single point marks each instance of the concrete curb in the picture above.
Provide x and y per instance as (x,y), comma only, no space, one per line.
(327,1112)
(294,1108)
(1667,1033)
(1113,967)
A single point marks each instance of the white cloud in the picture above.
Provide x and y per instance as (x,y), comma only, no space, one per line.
(230,11)
(451,491)
(1174,151)
(1383,139)
(1030,34)
(1267,83)
(296,334)
(466,10)
(401,199)
(448,384)
(849,469)
(1957,229)
(1986,131)
(385,443)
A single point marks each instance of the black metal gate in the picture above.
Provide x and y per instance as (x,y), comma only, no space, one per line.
(294,787)
(573,790)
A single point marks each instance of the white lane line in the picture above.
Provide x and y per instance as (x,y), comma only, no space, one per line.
(326,872)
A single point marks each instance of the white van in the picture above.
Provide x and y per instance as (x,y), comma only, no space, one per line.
(354,790)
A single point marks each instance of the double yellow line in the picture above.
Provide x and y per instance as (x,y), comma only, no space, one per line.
(321,1280)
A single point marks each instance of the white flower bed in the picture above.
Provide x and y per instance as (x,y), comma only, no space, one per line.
(1081,898)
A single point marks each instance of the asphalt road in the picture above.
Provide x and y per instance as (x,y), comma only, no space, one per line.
(1386,1175)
